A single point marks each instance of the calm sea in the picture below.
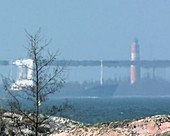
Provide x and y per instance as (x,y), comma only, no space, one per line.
(95,110)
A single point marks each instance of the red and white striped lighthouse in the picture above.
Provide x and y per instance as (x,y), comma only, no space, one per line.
(135,56)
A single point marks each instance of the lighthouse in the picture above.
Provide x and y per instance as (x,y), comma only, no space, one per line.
(135,57)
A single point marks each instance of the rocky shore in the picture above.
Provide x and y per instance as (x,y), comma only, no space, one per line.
(150,126)
(158,125)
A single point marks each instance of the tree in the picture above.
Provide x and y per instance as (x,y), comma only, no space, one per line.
(46,80)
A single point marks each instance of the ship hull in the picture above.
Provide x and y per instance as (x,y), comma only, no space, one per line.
(89,92)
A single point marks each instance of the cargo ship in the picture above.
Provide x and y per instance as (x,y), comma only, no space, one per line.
(87,91)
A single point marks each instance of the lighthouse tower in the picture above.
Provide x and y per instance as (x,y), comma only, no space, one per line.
(135,57)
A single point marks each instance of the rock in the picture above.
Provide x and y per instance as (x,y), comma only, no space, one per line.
(155,125)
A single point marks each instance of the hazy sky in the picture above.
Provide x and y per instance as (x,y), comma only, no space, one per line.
(87,29)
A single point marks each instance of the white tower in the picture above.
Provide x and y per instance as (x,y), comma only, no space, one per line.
(101,73)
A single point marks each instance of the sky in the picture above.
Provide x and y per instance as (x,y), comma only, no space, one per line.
(87,29)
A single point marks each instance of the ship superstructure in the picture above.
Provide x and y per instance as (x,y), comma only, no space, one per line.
(25,74)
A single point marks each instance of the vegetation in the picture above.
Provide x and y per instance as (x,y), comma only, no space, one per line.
(46,81)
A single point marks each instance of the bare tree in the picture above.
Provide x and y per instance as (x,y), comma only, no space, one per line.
(46,80)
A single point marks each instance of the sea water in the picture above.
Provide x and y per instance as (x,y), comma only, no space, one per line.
(97,110)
